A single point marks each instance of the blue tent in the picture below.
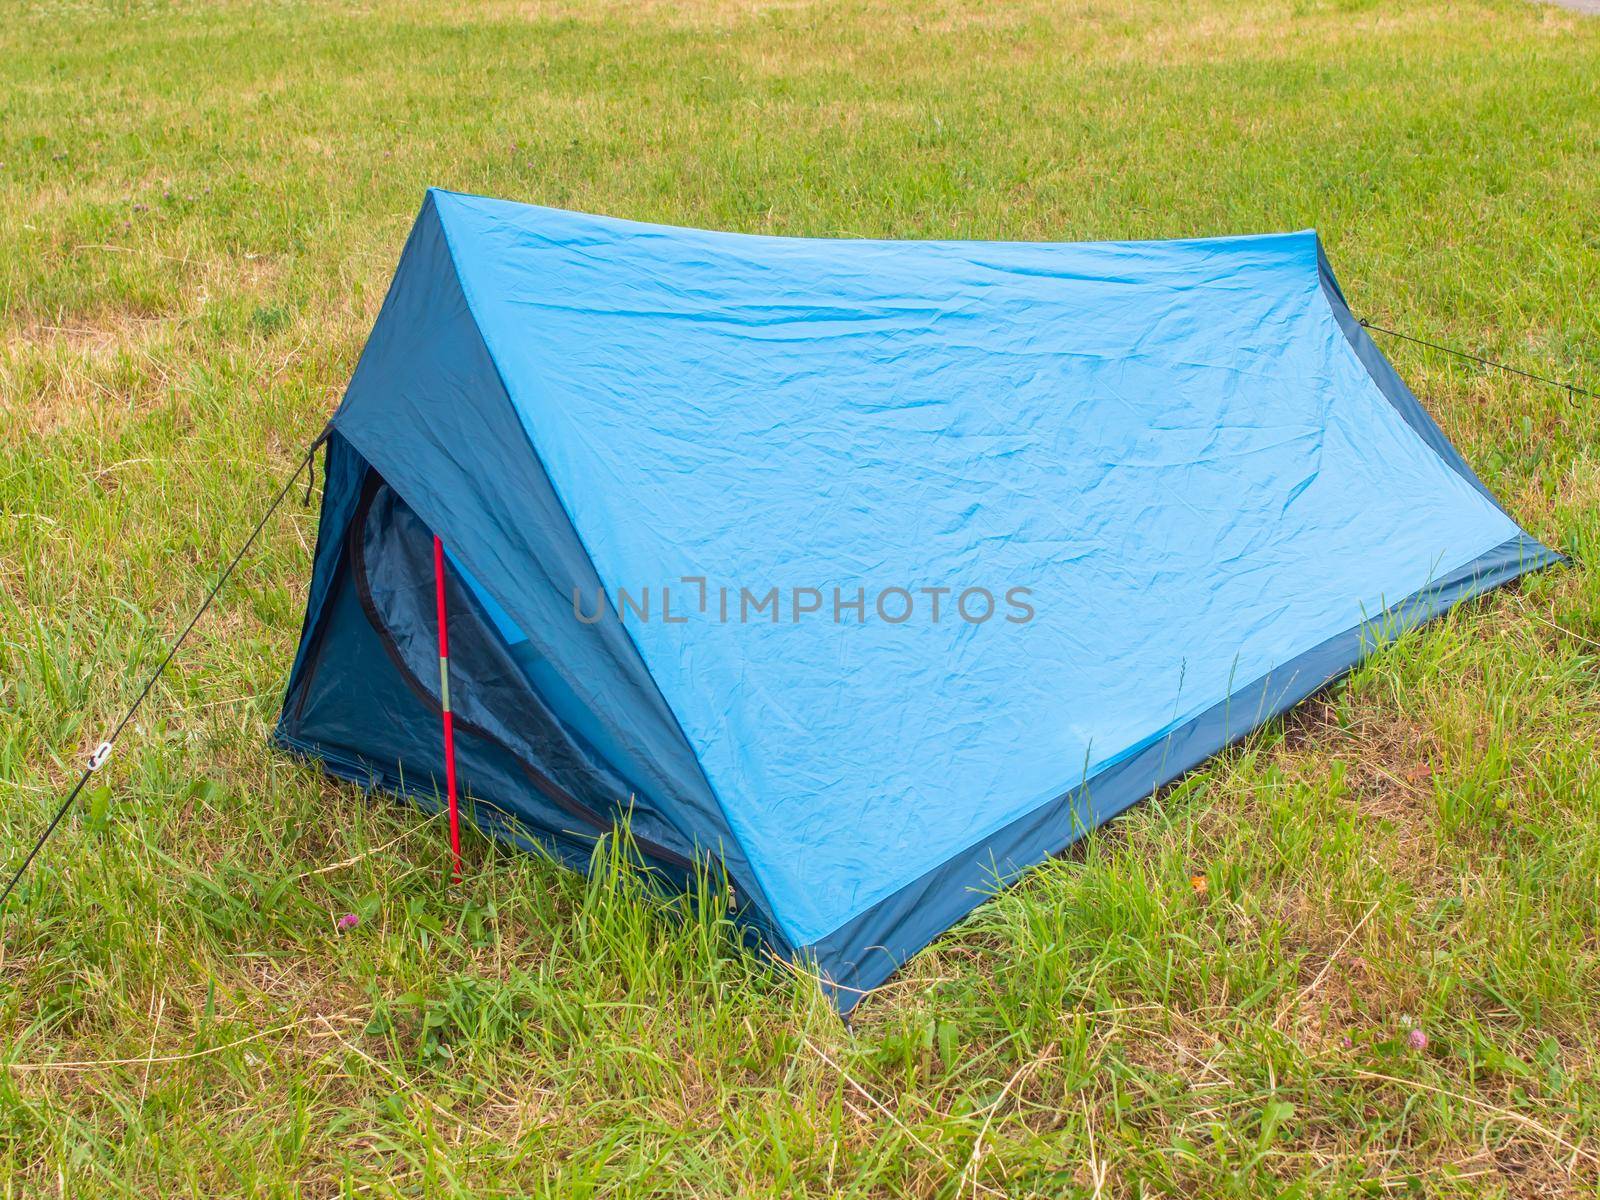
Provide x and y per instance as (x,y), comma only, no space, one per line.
(873,572)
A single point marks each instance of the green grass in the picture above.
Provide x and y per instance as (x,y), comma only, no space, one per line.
(202,205)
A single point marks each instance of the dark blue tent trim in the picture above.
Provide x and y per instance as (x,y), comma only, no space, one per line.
(864,953)
(342,475)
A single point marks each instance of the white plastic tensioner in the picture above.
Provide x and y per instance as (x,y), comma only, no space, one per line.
(98,758)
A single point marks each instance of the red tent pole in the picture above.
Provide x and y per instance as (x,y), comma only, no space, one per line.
(444,703)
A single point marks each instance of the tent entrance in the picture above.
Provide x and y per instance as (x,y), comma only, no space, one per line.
(517,756)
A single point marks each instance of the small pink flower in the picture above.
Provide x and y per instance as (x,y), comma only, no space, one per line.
(1417,1040)
(1345,1042)
(348,921)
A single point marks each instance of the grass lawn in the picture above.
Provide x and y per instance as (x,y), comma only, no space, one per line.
(1213,996)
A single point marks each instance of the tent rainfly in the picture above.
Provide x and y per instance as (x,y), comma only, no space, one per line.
(870,572)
